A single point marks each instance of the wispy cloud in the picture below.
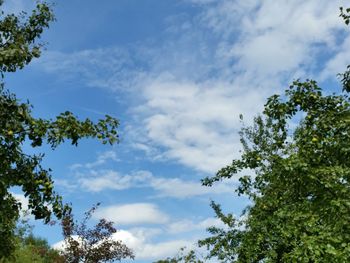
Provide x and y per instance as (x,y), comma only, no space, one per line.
(132,214)
(100,180)
(161,250)
(338,63)
(102,158)
(111,68)
(94,177)
(196,123)
(187,225)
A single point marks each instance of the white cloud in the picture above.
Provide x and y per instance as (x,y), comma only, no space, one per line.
(187,225)
(282,36)
(145,249)
(25,212)
(273,38)
(162,249)
(96,181)
(61,245)
(339,62)
(99,180)
(141,239)
(22,199)
(129,239)
(132,214)
(196,123)
(185,189)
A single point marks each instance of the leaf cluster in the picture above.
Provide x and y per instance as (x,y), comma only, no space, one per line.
(19,34)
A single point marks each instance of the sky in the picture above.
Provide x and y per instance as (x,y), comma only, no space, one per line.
(177,74)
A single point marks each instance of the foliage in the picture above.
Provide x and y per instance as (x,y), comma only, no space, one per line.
(91,245)
(33,249)
(19,35)
(18,45)
(223,242)
(29,248)
(301,188)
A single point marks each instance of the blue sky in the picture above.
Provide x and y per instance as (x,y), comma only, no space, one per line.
(177,74)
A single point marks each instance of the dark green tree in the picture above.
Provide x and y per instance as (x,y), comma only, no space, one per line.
(301,189)
(18,46)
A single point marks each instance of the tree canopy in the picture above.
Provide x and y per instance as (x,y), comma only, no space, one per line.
(18,46)
(301,189)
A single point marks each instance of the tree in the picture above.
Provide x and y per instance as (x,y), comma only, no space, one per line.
(301,189)
(18,46)
(91,245)
(36,249)
(29,249)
